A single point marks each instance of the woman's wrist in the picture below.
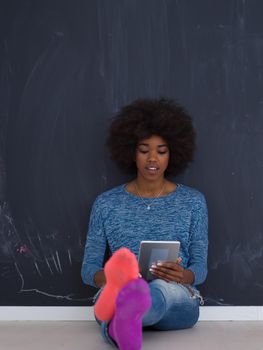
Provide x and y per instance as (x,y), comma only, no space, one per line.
(188,277)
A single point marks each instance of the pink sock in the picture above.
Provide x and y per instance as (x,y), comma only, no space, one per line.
(119,270)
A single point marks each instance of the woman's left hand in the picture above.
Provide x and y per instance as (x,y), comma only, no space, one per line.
(172,271)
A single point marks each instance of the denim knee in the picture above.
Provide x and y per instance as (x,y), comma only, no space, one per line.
(174,305)
(183,307)
(180,316)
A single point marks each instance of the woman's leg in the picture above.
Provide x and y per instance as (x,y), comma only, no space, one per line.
(125,329)
(174,306)
(104,326)
(132,303)
(120,269)
(121,304)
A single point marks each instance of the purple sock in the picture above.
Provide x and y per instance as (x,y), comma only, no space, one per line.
(132,302)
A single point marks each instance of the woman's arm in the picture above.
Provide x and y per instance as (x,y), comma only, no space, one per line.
(196,271)
(198,247)
(94,249)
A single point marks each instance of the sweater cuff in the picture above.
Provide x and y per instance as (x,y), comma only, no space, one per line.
(200,273)
(88,272)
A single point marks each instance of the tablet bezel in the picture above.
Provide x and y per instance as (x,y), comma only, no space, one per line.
(145,253)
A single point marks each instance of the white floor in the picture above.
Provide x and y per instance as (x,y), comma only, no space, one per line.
(78,335)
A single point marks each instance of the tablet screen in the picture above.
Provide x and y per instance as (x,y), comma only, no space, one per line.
(158,254)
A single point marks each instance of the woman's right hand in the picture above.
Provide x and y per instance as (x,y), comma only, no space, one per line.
(99,278)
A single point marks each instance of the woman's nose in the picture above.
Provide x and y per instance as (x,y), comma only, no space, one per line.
(152,156)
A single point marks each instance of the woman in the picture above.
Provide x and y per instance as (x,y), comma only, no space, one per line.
(152,140)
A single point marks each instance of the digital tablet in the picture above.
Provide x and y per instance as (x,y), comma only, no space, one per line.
(153,251)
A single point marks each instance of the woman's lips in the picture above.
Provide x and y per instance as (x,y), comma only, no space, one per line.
(152,169)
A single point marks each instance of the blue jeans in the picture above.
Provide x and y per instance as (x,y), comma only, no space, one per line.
(174,306)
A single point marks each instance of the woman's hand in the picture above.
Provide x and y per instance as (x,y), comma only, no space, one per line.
(172,271)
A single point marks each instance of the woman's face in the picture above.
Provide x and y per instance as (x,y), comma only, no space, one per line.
(152,158)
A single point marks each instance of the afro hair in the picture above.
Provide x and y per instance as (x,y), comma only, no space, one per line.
(144,118)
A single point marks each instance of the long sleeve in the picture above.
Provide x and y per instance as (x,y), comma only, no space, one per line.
(95,246)
(198,247)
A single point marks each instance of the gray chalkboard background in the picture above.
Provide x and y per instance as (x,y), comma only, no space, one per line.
(65,68)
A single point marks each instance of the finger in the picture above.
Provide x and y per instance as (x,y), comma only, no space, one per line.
(172,275)
(165,276)
(179,260)
(162,276)
(170,265)
(170,268)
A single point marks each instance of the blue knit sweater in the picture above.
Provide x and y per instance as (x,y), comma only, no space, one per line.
(123,220)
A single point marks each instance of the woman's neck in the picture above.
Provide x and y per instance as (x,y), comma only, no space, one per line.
(150,189)
(147,188)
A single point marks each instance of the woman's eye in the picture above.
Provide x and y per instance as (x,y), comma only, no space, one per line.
(145,151)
